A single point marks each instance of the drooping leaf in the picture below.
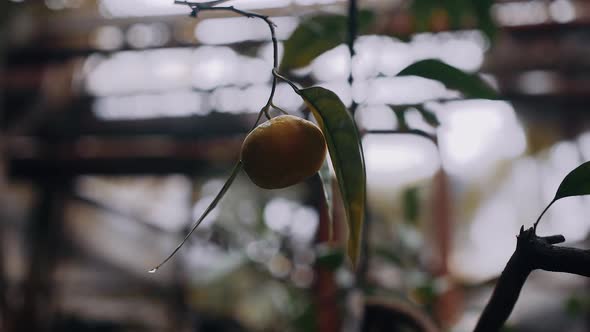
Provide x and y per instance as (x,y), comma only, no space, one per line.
(576,183)
(471,85)
(316,35)
(326,179)
(460,14)
(345,150)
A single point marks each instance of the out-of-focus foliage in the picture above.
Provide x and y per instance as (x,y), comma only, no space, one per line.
(471,85)
(454,14)
(317,34)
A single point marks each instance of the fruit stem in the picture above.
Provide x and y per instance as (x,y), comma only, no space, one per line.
(197,7)
(279,109)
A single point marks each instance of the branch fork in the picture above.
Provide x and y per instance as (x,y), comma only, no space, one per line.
(532,252)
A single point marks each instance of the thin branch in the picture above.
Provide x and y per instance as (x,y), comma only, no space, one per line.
(532,253)
(279,109)
(198,7)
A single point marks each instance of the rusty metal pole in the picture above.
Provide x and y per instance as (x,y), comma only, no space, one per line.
(447,307)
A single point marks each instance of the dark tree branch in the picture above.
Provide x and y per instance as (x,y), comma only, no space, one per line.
(532,253)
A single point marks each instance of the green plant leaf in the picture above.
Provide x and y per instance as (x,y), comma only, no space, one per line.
(329,258)
(471,85)
(344,146)
(460,13)
(485,22)
(326,179)
(316,35)
(576,183)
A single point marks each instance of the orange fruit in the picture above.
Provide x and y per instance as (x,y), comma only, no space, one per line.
(283,151)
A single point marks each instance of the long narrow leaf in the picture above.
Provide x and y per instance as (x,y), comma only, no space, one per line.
(345,150)
(211,206)
(326,179)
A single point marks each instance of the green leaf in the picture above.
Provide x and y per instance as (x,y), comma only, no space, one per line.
(471,85)
(316,35)
(326,179)
(344,146)
(576,183)
(460,13)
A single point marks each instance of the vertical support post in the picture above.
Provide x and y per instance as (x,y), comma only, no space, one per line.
(4,315)
(44,237)
(352,34)
(447,305)
(325,290)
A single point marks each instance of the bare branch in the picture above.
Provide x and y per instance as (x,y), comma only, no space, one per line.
(197,7)
(532,253)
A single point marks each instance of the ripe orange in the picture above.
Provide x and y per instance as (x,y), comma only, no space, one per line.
(283,151)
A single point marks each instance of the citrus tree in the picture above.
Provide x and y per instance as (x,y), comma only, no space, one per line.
(285,150)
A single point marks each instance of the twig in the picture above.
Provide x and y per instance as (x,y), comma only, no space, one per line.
(197,7)
(532,252)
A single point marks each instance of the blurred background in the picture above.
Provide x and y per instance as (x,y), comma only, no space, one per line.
(121,119)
